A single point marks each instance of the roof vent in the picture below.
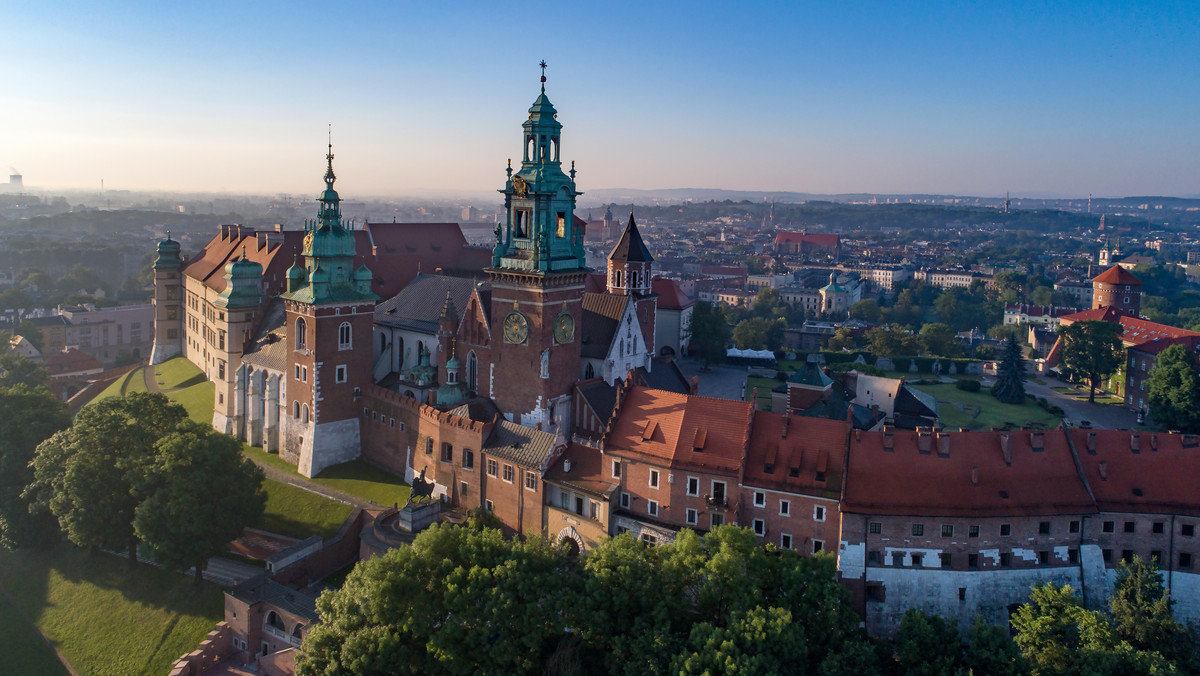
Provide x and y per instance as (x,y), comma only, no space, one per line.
(1103,467)
(648,432)
(566,465)
(943,445)
(1135,443)
(1154,442)
(1006,448)
(924,441)
(701,439)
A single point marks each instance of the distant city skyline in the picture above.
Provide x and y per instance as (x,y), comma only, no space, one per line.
(940,98)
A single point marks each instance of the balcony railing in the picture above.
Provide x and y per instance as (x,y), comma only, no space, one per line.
(717,502)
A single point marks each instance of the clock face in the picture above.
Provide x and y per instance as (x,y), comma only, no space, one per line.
(516,328)
(564,328)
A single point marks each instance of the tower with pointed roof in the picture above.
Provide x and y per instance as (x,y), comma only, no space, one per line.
(329,307)
(168,302)
(1119,289)
(537,276)
(630,272)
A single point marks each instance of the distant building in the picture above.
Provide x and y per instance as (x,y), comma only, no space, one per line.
(811,244)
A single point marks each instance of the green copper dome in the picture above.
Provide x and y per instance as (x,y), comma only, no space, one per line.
(242,268)
(168,254)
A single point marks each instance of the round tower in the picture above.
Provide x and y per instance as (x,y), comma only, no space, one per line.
(168,302)
(1119,289)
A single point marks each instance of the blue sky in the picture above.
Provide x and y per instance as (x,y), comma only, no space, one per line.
(956,97)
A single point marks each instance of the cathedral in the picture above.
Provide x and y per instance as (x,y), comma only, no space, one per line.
(309,334)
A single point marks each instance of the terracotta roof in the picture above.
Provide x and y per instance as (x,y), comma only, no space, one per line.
(1158,477)
(820,239)
(905,480)
(682,430)
(274,251)
(602,314)
(71,360)
(725,270)
(1117,275)
(670,295)
(595,282)
(805,457)
(587,471)
(1137,332)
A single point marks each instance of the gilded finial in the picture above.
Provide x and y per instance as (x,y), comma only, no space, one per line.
(329,176)
(543,67)
(168,234)
(572,170)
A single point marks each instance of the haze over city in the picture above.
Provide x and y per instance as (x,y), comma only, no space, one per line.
(1074,99)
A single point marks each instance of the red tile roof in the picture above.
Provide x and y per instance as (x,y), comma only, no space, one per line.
(905,480)
(682,430)
(587,470)
(819,239)
(1140,333)
(670,295)
(1117,275)
(796,453)
(1161,477)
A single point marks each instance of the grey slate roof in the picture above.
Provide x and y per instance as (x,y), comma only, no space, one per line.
(480,409)
(269,349)
(522,445)
(602,314)
(261,589)
(631,247)
(600,397)
(665,376)
(420,304)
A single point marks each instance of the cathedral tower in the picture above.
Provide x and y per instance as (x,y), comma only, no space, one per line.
(537,276)
(630,273)
(329,308)
(168,302)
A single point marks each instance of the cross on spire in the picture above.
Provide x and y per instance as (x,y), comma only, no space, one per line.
(329,177)
(542,65)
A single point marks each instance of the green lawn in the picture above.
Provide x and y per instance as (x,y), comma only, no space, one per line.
(104,617)
(177,372)
(298,513)
(23,650)
(130,382)
(991,413)
(764,385)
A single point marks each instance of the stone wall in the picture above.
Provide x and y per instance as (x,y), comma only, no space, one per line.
(217,645)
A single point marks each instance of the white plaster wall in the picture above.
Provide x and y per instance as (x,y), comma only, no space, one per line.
(933,590)
(1185,590)
(329,444)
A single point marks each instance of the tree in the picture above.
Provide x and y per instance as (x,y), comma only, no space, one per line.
(28,416)
(17,370)
(867,310)
(1010,375)
(991,651)
(32,333)
(760,641)
(1092,350)
(939,340)
(891,340)
(842,339)
(179,519)
(1174,390)
(457,601)
(768,304)
(710,332)
(1141,612)
(13,298)
(1042,295)
(91,475)
(757,333)
(927,645)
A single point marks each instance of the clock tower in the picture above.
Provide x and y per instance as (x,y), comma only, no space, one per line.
(537,276)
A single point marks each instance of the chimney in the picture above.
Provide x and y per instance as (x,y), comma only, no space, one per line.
(1103,467)
(1135,443)
(1037,440)
(888,439)
(566,465)
(1091,443)
(975,475)
(943,444)
(1006,448)
(785,426)
(279,227)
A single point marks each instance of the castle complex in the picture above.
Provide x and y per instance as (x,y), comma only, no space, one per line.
(522,382)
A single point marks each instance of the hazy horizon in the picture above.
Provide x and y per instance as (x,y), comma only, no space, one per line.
(938,98)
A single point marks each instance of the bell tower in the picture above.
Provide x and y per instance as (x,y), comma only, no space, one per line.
(630,272)
(330,310)
(537,276)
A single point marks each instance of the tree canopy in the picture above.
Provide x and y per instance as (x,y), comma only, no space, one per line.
(1010,374)
(1092,350)
(710,332)
(1174,390)
(28,416)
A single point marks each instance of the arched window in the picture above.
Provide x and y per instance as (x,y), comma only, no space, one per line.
(296,409)
(274,621)
(472,372)
(589,372)
(344,336)
(304,414)
(301,334)
(296,630)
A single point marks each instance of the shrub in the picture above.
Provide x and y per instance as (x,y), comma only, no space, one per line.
(968,385)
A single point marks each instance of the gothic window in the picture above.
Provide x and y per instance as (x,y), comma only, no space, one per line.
(521,222)
(296,410)
(545,364)
(344,336)
(472,372)
(301,338)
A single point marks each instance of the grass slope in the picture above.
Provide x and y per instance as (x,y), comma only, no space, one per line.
(982,411)
(104,617)
(23,650)
(298,513)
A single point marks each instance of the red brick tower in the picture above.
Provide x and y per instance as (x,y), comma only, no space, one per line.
(1119,289)
(537,276)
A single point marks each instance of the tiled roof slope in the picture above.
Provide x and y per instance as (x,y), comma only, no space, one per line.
(797,451)
(1140,472)
(586,473)
(420,303)
(670,295)
(905,480)
(1117,275)
(681,430)
(523,445)
(269,349)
